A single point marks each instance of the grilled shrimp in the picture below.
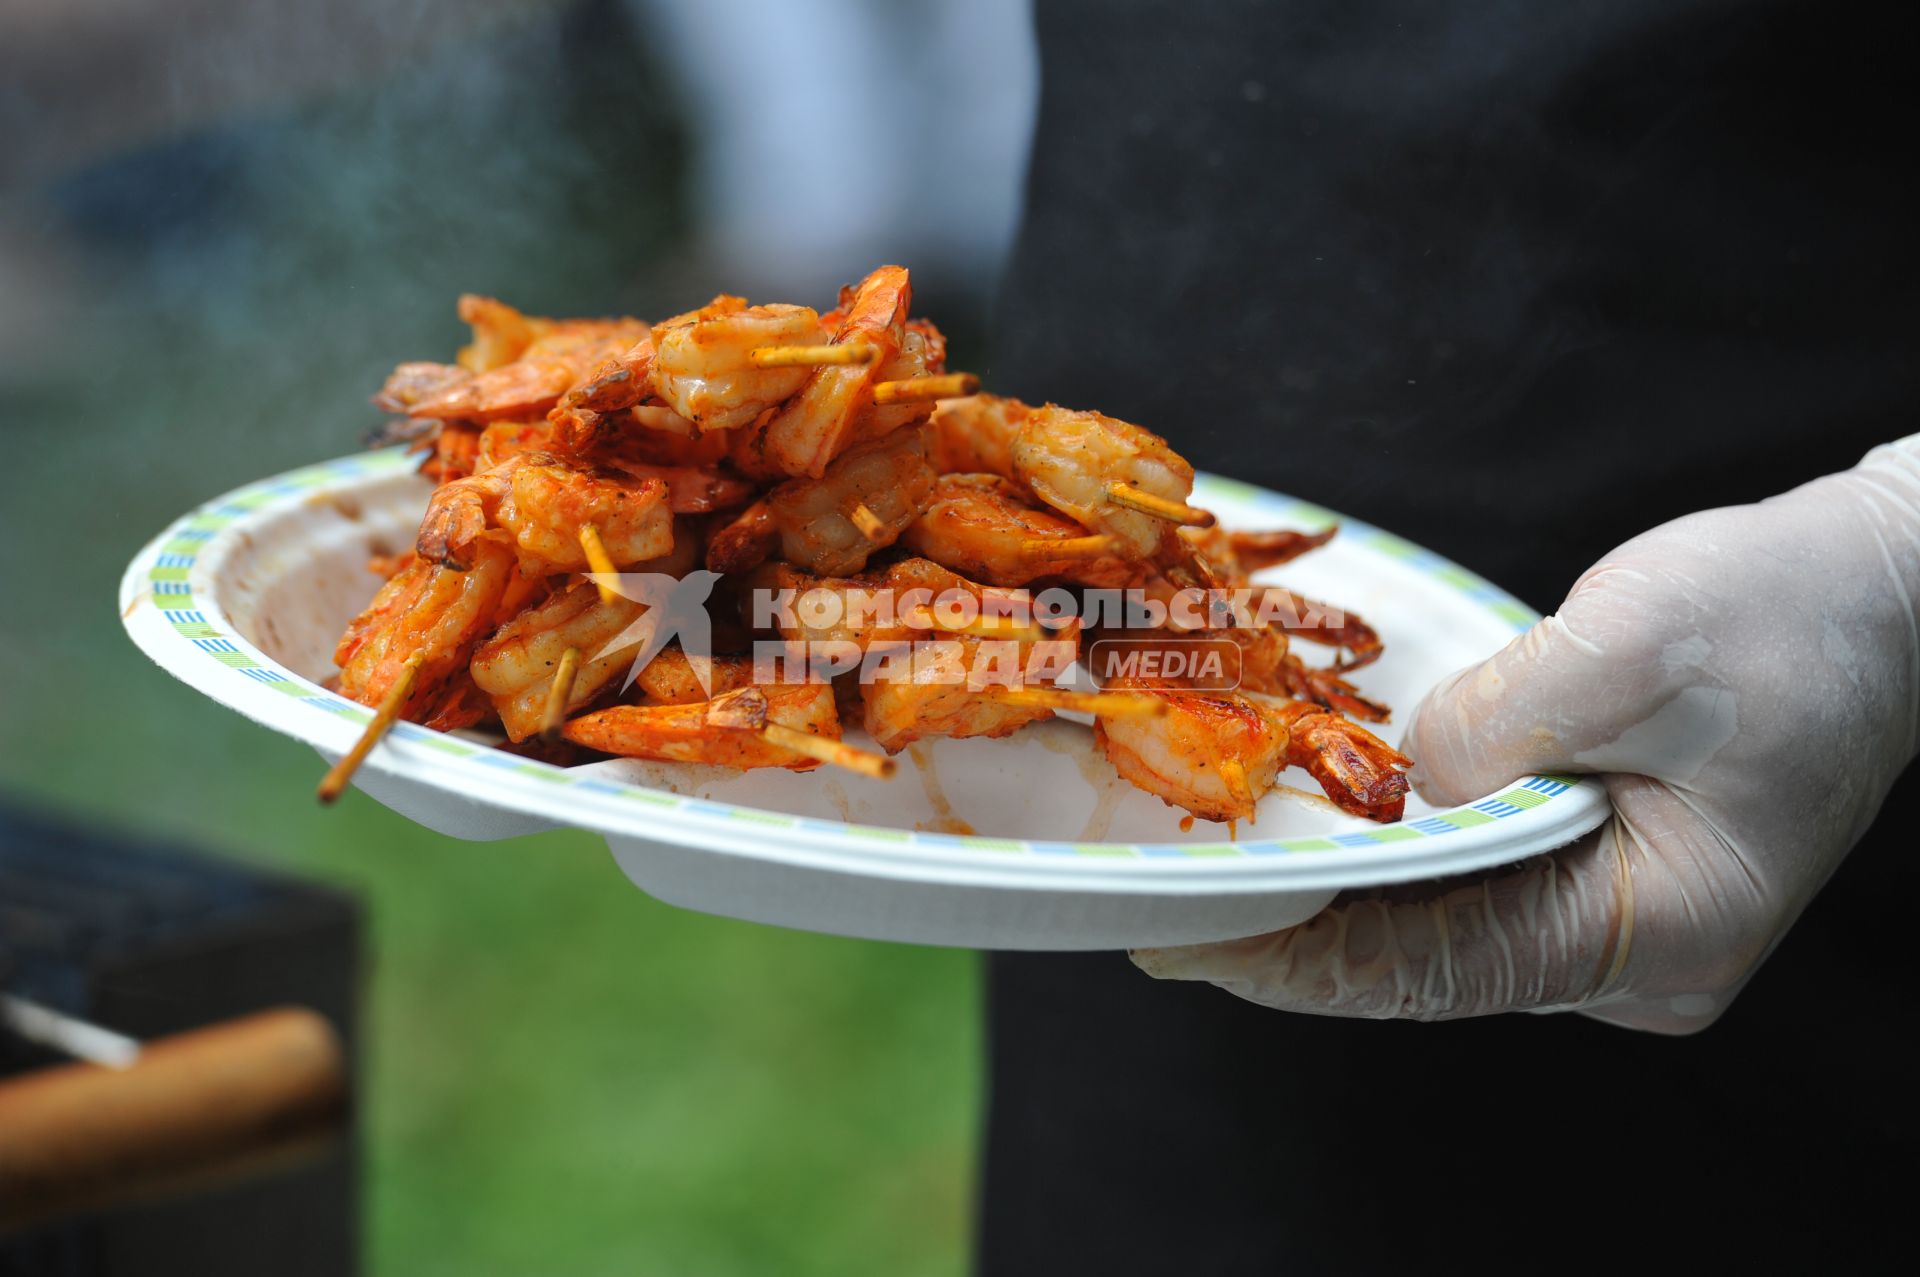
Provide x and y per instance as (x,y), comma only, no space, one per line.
(452,453)
(974,435)
(1217,753)
(542,505)
(695,366)
(690,489)
(980,526)
(867,497)
(813,427)
(747,451)
(500,332)
(695,484)
(922,352)
(946,687)
(932,350)
(660,435)
(650,433)
(504,440)
(705,732)
(516,666)
(701,367)
(1213,753)
(620,380)
(856,615)
(931,696)
(941,685)
(833,524)
(699,364)
(433,611)
(1362,774)
(410,383)
(1068,457)
(549,505)
(532,383)
(672,678)
(747,541)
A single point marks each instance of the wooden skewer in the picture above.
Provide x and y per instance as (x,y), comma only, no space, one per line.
(746,710)
(1105,704)
(949,386)
(828,750)
(853,352)
(601,563)
(1125,494)
(559,694)
(868,522)
(1093,547)
(334,783)
(1234,773)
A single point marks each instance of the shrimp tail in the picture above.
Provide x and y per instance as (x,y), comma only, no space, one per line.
(449,532)
(616,383)
(1257,550)
(745,543)
(1362,774)
(1325,687)
(1326,625)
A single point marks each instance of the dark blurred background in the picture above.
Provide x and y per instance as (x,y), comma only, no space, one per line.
(220,224)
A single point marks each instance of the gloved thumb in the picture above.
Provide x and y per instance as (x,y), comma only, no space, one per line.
(1539,704)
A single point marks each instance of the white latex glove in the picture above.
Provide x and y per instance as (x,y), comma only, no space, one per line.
(1748,682)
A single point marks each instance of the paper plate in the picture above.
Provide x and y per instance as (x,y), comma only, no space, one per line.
(1030,842)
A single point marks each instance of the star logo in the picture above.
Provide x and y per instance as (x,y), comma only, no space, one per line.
(676,608)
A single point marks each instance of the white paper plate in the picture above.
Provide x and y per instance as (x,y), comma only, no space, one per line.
(1028,842)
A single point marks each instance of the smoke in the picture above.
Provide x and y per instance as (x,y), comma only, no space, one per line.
(221,224)
(283,257)
(194,301)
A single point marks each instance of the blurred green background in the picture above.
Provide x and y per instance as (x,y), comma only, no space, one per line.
(209,256)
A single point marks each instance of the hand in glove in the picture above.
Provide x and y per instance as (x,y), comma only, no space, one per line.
(1748,682)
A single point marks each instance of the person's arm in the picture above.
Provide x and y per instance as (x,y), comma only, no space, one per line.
(1747,680)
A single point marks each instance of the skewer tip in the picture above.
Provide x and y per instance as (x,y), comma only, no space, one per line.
(1234,773)
(600,564)
(1100,704)
(828,750)
(916,389)
(868,522)
(830,356)
(1121,493)
(335,782)
(559,695)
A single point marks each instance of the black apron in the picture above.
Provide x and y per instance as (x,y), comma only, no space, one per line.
(1516,281)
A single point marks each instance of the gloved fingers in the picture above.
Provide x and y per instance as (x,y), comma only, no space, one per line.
(1652,920)
(1553,932)
(1554,699)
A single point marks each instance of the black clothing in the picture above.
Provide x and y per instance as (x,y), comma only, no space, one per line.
(1516,281)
